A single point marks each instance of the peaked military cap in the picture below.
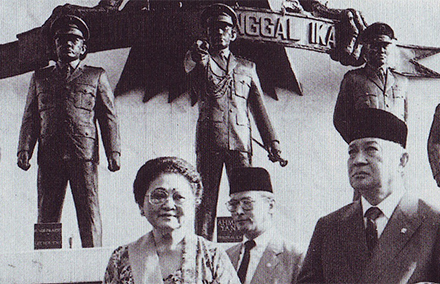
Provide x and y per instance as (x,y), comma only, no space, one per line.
(70,24)
(377,32)
(219,13)
(375,123)
(249,178)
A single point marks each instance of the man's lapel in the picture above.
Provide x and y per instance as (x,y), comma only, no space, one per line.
(52,77)
(372,76)
(403,223)
(389,79)
(234,254)
(268,262)
(232,62)
(220,62)
(76,73)
(353,236)
(144,261)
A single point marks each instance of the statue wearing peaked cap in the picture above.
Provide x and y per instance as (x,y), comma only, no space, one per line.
(375,85)
(63,105)
(228,90)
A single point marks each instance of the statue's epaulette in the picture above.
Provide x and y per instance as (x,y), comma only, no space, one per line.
(244,61)
(356,71)
(93,69)
(44,72)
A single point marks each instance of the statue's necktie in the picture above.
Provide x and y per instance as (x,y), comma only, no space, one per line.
(248,245)
(65,72)
(381,74)
(371,230)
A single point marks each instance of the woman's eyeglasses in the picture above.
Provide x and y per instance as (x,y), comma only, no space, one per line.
(160,196)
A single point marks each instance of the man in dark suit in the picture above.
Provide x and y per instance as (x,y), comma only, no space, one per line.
(228,88)
(388,236)
(63,104)
(264,257)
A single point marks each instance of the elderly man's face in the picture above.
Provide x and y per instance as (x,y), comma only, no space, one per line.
(377,53)
(374,164)
(254,219)
(221,35)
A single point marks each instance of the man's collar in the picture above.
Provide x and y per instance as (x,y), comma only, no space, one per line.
(73,64)
(387,205)
(263,239)
(224,52)
(373,69)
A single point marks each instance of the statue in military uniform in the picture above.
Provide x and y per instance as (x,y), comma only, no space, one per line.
(375,85)
(227,88)
(63,105)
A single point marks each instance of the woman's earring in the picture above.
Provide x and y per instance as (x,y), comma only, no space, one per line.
(142,212)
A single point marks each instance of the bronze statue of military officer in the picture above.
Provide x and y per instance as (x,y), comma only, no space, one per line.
(375,85)
(228,88)
(63,105)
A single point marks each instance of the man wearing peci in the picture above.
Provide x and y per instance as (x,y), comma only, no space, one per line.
(228,89)
(63,105)
(388,235)
(264,257)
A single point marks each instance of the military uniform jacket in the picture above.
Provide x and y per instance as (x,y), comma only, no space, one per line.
(61,115)
(362,88)
(408,251)
(228,93)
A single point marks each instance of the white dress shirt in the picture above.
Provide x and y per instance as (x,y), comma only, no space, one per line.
(255,254)
(387,206)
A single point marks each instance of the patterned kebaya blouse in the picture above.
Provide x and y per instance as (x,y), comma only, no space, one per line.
(205,263)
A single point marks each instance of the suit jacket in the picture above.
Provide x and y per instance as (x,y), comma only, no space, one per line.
(408,250)
(61,115)
(138,263)
(279,263)
(228,92)
(434,143)
(362,88)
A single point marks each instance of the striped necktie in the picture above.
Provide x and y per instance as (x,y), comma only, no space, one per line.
(371,230)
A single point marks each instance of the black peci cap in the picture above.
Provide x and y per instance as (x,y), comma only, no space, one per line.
(219,13)
(377,32)
(249,178)
(375,123)
(70,24)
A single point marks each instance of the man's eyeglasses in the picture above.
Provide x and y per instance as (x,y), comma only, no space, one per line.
(160,196)
(246,204)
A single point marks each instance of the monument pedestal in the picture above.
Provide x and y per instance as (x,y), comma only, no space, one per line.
(55,266)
